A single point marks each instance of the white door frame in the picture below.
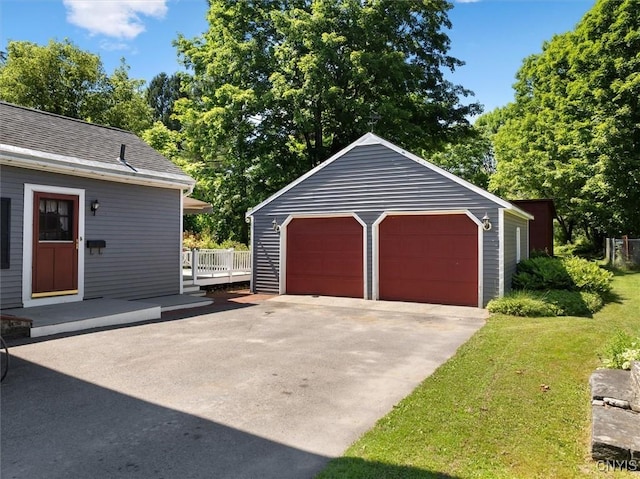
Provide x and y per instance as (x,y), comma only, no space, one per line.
(27,245)
(283,245)
(376,245)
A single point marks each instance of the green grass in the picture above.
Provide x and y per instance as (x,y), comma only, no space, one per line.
(487,412)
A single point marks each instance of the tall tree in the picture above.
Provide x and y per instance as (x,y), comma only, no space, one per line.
(60,78)
(161,94)
(573,133)
(283,84)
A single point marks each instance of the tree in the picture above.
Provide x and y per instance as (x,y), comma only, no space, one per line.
(123,102)
(284,84)
(161,94)
(60,78)
(573,133)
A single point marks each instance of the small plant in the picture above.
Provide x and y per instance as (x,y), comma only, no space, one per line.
(573,303)
(621,351)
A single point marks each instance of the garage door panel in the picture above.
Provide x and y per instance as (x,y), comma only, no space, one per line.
(325,256)
(429,258)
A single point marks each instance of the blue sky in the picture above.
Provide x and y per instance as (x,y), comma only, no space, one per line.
(491,36)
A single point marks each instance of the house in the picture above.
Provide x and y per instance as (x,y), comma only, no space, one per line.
(87,212)
(377,222)
(541,228)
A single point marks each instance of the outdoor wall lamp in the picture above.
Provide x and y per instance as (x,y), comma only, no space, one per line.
(274,225)
(95,204)
(486,224)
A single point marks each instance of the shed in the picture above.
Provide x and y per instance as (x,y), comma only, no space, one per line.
(377,222)
(541,228)
(88,211)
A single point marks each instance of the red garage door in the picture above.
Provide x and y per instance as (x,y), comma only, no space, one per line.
(429,259)
(324,257)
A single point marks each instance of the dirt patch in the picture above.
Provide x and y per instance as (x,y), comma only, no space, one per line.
(237,295)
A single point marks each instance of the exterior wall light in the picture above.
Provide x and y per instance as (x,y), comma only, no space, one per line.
(274,225)
(95,204)
(486,224)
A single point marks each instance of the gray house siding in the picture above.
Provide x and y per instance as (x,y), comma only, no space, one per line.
(140,224)
(369,180)
(511,224)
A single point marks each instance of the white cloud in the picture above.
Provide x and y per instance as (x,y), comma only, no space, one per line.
(114,18)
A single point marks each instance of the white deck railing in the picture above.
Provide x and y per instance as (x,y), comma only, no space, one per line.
(216,263)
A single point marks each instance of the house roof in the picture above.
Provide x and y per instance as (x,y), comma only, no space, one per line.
(372,139)
(192,206)
(40,140)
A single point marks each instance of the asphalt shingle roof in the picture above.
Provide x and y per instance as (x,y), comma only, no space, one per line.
(46,132)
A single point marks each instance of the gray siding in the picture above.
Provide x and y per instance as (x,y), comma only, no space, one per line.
(511,223)
(140,224)
(369,180)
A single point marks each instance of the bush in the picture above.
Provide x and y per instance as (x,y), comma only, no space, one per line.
(541,273)
(522,303)
(571,273)
(573,303)
(206,241)
(621,351)
(547,303)
(587,275)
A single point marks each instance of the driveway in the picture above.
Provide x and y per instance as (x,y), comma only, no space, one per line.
(267,390)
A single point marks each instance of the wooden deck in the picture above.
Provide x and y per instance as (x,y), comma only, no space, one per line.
(207,267)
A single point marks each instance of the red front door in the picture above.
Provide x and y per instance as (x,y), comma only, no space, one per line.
(55,245)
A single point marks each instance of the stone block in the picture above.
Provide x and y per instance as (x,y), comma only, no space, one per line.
(611,383)
(634,383)
(615,434)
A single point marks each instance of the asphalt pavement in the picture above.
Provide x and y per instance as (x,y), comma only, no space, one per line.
(273,389)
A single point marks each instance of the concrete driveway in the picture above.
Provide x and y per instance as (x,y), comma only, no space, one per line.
(267,390)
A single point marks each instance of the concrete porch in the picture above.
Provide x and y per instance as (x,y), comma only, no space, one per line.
(97,313)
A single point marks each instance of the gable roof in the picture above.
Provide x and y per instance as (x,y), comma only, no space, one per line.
(372,139)
(40,140)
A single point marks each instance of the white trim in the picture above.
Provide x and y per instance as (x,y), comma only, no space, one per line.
(68,165)
(282,280)
(371,139)
(181,222)
(27,245)
(518,245)
(501,240)
(375,247)
(252,257)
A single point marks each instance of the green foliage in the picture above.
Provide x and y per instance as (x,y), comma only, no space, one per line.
(162,93)
(621,350)
(278,87)
(587,275)
(547,303)
(573,303)
(570,273)
(522,303)
(60,78)
(206,240)
(541,273)
(572,132)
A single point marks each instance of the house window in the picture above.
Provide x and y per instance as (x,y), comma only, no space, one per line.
(5,212)
(55,220)
(518,252)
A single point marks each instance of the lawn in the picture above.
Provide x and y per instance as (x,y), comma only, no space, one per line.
(512,403)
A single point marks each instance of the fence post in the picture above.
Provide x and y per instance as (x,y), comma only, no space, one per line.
(194,263)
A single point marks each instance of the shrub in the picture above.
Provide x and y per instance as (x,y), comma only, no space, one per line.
(571,273)
(541,273)
(573,303)
(206,241)
(621,351)
(587,275)
(547,303)
(522,303)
